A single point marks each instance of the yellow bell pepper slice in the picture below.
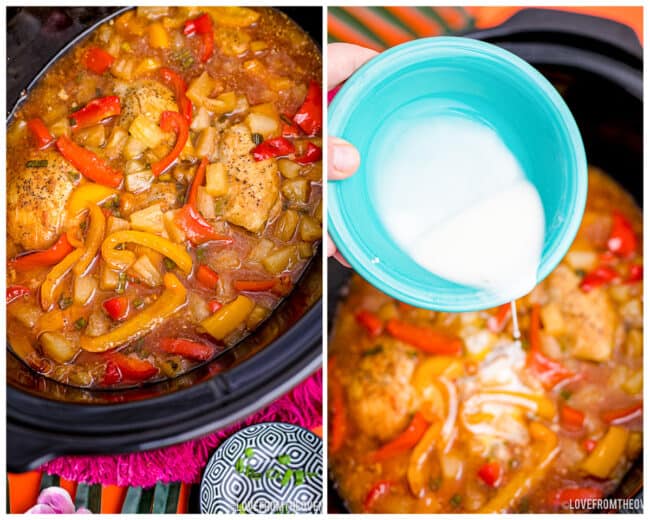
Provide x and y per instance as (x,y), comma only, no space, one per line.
(545,449)
(228,318)
(233,16)
(86,195)
(419,462)
(51,286)
(94,237)
(170,301)
(609,450)
(122,260)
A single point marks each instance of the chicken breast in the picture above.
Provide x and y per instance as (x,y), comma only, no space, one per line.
(253,186)
(149,98)
(589,318)
(380,395)
(36,200)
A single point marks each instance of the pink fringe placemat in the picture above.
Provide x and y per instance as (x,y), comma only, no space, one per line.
(185,462)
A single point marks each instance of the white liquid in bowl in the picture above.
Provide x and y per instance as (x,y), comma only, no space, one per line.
(456,200)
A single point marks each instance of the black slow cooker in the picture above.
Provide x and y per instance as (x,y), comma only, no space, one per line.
(597,66)
(46,419)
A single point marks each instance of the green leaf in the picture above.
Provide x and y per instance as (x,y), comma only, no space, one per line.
(165,498)
(48,480)
(284,459)
(89,497)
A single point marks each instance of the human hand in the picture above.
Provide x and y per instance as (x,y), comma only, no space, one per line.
(342,157)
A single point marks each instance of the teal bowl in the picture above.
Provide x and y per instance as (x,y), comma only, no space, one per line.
(484,83)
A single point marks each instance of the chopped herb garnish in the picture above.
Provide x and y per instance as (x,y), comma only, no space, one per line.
(65,302)
(286,119)
(72,121)
(284,459)
(138,303)
(286,478)
(581,273)
(169,264)
(98,92)
(41,163)
(200,255)
(300,477)
(435,483)
(377,349)
(456,500)
(80,323)
(565,394)
(248,452)
(524,344)
(239,465)
(258,138)
(121,283)
(74,176)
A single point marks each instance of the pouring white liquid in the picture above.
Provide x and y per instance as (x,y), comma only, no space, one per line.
(457,201)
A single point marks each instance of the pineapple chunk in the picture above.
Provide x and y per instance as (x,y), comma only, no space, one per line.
(139,181)
(114,224)
(57,347)
(146,131)
(175,233)
(216,180)
(84,289)
(146,272)
(149,219)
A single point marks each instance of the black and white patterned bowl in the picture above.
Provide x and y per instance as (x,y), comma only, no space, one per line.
(265,468)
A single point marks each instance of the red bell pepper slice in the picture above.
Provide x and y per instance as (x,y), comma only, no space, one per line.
(378,490)
(498,322)
(563,497)
(202,25)
(95,111)
(178,85)
(89,164)
(276,147)
(425,338)
(46,257)
(214,306)
(589,445)
(112,374)
(338,424)
(571,419)
(312,154)
(196,228)
(172,121)
(207,277)
(490,473)
(622,239)
(199,176)
(187,349)
(550,373)
(254,285)
(370,322)
(635,274)
(130,367)
(404,441)
(98,60)
(290,130)
(310,115)
(600,276)
(117,307)
(16,291)
(547,371)
(623,415)
(40,133)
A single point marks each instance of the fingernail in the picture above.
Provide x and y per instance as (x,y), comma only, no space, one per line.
(345,158)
